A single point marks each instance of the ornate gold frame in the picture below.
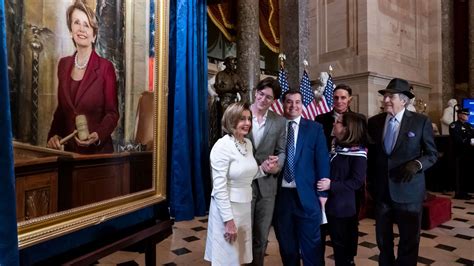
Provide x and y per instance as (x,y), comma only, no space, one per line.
(44,228)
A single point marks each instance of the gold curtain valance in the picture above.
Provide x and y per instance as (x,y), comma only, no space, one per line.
(224,16)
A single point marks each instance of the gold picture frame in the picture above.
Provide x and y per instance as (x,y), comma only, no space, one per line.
(47,227)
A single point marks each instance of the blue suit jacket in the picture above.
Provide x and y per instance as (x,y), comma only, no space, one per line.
(312,164)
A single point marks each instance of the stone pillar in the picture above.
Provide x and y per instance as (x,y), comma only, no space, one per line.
(110,45)
(447,50)
(294,37)
(471,48)
(248,44)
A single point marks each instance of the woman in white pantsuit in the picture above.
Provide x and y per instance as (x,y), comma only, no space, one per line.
(229,235)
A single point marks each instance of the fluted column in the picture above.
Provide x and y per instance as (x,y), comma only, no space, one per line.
(248,44)
(294,37)
(447,49)
(471,48)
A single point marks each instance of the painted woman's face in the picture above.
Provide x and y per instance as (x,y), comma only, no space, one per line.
(339,130)
(82,31)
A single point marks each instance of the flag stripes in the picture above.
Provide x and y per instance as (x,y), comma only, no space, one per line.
(277,105)
(311,107)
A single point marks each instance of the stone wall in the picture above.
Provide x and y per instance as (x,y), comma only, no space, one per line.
(368,42)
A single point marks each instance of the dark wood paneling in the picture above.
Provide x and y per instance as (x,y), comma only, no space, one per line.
(141,174)
(36,192)
(86,180)
(49,181)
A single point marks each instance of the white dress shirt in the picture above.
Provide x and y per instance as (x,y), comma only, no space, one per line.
(258,128)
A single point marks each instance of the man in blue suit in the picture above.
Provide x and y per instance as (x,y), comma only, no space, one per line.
(298,204)
(403,148)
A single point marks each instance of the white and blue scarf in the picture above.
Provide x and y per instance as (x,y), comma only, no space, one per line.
(349,151)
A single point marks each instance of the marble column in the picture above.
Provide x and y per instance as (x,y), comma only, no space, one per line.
(14,32)
(248,44)
(447,49)
(111,45)
(294,37)
(471,48)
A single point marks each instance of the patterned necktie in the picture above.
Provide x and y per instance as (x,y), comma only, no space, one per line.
(389,139)
(289,172)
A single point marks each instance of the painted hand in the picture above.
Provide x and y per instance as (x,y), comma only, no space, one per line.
(53,143)
(93,138)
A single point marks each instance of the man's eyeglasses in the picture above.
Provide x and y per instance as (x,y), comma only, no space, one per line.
(267,97)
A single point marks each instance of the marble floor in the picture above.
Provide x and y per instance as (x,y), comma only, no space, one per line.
(451,243)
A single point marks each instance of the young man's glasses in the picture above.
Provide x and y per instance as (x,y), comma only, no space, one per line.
(263,95)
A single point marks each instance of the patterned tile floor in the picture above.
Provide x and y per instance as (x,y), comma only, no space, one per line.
(451,243)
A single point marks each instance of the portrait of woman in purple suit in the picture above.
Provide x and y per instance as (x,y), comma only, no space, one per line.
(348,173)
(86,87)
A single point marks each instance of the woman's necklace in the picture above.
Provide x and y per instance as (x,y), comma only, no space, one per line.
(77,65)
(241,146)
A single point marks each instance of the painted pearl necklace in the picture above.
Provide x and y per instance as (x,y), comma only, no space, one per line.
(77,65)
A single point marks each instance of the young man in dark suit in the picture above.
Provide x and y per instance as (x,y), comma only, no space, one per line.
(402,149)
(298,204)
(342,99)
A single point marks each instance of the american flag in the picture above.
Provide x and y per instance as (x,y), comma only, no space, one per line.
(309,104)
(329,94)
(326,102)
(277,105)
(312,108)
(151,45)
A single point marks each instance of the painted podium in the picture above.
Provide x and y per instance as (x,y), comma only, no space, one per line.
(49,180)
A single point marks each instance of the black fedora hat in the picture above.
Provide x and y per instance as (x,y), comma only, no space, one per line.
(463,111)
(398,85)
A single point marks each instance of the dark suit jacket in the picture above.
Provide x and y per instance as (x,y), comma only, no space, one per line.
(327,120)
(96,98)
(414,142)
(311,164)
(273,143)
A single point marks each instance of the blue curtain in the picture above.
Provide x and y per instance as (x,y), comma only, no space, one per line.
(188,147)
(8,235)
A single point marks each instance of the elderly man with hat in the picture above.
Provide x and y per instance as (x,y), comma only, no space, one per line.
(402,149)
(462,134)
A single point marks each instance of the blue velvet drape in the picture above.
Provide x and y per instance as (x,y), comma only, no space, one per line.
(188,148)
(8,232)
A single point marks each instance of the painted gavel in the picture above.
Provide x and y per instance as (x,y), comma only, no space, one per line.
(82,130)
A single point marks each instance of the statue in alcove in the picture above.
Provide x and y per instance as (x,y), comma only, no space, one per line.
(448,116)
(229,86)
(319,85)
(228,89)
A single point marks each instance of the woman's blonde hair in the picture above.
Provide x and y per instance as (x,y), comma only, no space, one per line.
(80,5)
(232,115)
